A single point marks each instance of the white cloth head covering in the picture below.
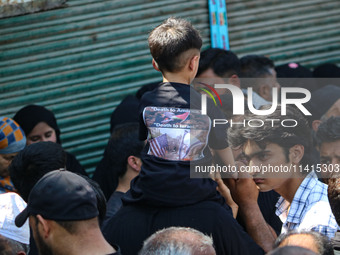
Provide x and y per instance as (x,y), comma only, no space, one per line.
(11,204)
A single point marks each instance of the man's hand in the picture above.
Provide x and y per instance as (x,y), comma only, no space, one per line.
(245,193)
(243,190)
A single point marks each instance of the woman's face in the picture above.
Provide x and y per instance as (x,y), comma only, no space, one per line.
(41,133)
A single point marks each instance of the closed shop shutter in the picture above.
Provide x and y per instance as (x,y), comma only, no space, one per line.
(81,60)
(305,31)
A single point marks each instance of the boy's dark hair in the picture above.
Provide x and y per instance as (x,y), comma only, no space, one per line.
(34,162)
(224,63)
(274,132)
(322,242)
(123,143)
(255,66)
(169,40)
(328,131)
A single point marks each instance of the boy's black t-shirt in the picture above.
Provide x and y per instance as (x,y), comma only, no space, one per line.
(178,143)
(171,113)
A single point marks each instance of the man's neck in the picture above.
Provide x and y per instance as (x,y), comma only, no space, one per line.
(123,187)
(179,77)
(176,80)
(93,243)
(289,188)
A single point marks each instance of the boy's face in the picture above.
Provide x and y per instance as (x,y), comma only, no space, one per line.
(271,156)
(5,161)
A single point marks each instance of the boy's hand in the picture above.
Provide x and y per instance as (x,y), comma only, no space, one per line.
(225,192)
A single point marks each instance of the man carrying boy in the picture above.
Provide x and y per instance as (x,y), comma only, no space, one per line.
(286,147)
(163,194)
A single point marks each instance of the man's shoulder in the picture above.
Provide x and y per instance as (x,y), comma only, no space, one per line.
(316,200)
(209,216)
(206,216)
(318,192)
(169,94)
(311,190)
(318,213)
(203,209)
(168,87)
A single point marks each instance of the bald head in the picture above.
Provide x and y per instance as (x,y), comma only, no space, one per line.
(311,240)
(303,240)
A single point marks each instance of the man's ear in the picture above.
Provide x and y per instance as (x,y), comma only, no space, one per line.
(316,124)
(296,153)
(194,62)
(135,163)
(234,80)
(155,65)
(45,226)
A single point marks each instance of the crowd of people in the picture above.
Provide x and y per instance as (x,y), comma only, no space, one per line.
(146,197)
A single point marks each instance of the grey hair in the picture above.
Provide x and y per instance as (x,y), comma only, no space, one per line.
(15,246)
(322,242)
(178,241)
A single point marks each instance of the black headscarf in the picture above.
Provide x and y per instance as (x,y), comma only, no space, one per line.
(31,115)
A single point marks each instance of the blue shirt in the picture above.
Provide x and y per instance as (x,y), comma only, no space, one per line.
(309,210)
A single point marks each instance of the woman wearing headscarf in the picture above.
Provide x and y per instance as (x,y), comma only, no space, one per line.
(40,125)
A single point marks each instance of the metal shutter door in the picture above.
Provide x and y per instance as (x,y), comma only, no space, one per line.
(305,31)
(80,61)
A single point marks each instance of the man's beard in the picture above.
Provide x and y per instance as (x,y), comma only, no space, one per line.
(43,248)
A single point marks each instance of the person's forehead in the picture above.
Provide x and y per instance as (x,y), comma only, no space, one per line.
(271,75)
(330,147)
(251,147)
(8,155)
(209,73)
(41,127)
(273,72)
(302,240)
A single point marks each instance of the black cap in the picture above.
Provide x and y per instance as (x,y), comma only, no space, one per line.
(322,100)
(60,195)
